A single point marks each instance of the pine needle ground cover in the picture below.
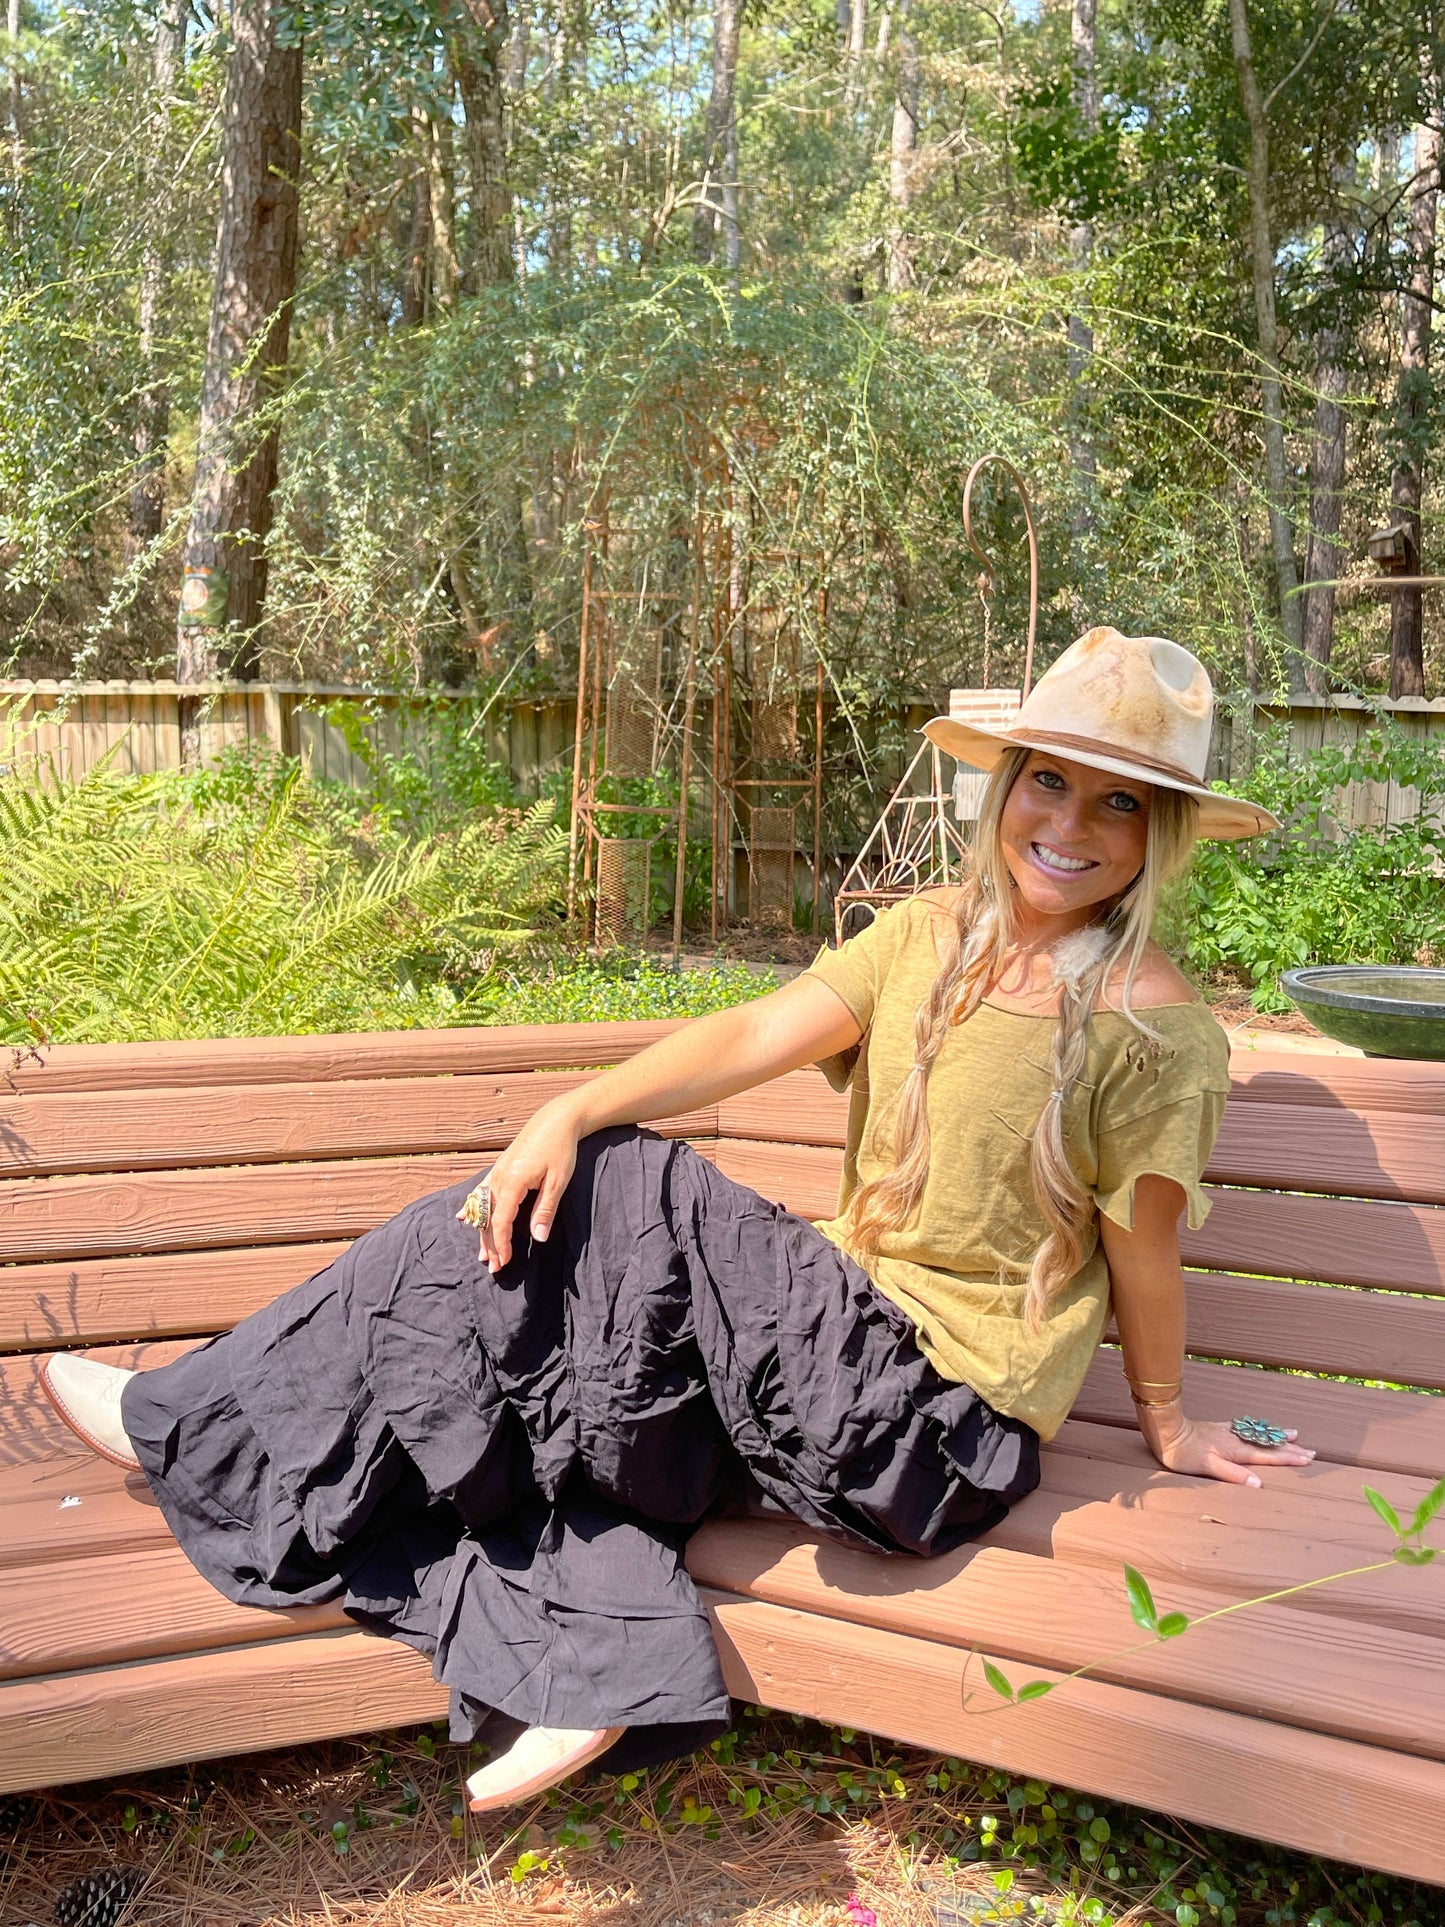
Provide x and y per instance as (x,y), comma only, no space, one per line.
(782,1823)
(248,900)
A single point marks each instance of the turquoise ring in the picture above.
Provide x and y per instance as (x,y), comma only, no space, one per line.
(1258,1431)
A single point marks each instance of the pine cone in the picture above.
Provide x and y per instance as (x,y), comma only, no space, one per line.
(17,1810)
(96,1899)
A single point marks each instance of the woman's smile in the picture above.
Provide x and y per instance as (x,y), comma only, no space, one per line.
(1057,860)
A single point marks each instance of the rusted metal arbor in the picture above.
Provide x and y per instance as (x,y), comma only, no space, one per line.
(690,697)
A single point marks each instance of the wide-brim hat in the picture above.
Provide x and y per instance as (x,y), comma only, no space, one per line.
(1137,706)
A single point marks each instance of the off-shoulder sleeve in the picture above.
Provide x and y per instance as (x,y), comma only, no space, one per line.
(856,972)
(1159,1115)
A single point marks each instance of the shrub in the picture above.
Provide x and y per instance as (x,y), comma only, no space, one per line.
(1317,894)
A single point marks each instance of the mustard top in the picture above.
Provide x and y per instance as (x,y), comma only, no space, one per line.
(959,1268)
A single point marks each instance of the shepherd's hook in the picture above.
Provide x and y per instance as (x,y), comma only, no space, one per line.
(986,581)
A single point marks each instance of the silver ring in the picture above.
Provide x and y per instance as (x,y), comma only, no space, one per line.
(482,1205)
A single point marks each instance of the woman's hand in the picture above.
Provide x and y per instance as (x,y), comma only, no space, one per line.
(1208,1449)
(541,1158)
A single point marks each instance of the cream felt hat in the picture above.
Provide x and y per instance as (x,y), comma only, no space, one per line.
(1137,706)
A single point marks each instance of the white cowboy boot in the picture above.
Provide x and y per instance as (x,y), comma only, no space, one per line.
(537,1759)
(86,1394)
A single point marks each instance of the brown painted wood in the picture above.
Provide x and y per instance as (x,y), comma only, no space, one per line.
(99,1300)
(1364,1084)
(200,1706)
(1382,1431)
(143,1603)
(294,1060)
(1310,1791)
(193,1126)
(109,1511)
(1340,1241)
(1237,1540)
(1356,1334)
(801,1108)
(198,1210)
(798,1176)
(1293,1147)
(1326,1673)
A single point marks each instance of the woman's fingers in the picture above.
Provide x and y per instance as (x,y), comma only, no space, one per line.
(549,1196)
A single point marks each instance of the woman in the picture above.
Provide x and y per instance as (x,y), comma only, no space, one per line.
(498,1455)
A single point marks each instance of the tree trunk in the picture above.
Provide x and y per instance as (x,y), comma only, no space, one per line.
(246,348)
(717,207)
(1281,533)
(478,48)
(1084,41)
(434,139)
(153,405)
(16,91)
(854,49)
(1324,557)
(418,249)
(903,155)
(1412,410)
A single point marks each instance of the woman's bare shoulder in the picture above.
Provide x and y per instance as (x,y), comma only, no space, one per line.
(1159,981)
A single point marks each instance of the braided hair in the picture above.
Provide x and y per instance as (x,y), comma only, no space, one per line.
(984,927)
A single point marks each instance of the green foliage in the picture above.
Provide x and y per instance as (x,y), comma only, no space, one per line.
(1314,894)
(242,902)
(615,988)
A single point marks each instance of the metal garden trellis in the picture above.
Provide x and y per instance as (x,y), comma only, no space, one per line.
(918,841)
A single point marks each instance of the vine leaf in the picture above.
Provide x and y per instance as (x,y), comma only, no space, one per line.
(1386,1511)
(1172,1625)
(1428,1507)
(1035,1689)
(1141,1600)
(997,1681)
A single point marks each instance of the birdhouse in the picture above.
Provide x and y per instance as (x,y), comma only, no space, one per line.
(1390,547)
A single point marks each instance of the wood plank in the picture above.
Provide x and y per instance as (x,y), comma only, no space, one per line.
(54,1068)
(1237,1540)
(1383,1431)
(93,1725)
(801,1108)
(69,1509)
(1312,1792)
(190,1127)
(1289,1147)
(1339,1241)
(801,1177)
(143,1603)
(107,1299)
(171,1211)
(1323,1673)
(1317,1328)
(1363,1084)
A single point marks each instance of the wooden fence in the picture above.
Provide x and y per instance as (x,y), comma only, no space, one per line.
(337,731)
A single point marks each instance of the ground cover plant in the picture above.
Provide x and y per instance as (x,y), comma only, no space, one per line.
(782,1823)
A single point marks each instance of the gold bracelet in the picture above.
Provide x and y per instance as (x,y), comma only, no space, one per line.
(1157,1404)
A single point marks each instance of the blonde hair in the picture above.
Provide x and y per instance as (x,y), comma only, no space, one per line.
(984,927)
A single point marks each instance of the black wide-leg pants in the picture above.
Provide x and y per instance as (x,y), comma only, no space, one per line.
(503,1470)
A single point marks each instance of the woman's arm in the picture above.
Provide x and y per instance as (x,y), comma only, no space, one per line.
(709,1059)
(1148,1294)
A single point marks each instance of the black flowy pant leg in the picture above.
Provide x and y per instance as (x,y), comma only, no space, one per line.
(409,1434)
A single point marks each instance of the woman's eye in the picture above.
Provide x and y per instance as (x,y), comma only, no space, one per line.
(1123,801)
(1050,779)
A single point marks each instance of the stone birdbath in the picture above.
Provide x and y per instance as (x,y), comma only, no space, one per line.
(1385,1010)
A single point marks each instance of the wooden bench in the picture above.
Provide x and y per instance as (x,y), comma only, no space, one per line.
(155,1193)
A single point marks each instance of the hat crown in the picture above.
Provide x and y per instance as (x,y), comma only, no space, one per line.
(1141,698)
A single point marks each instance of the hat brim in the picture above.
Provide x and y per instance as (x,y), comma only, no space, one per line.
(1225,819)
